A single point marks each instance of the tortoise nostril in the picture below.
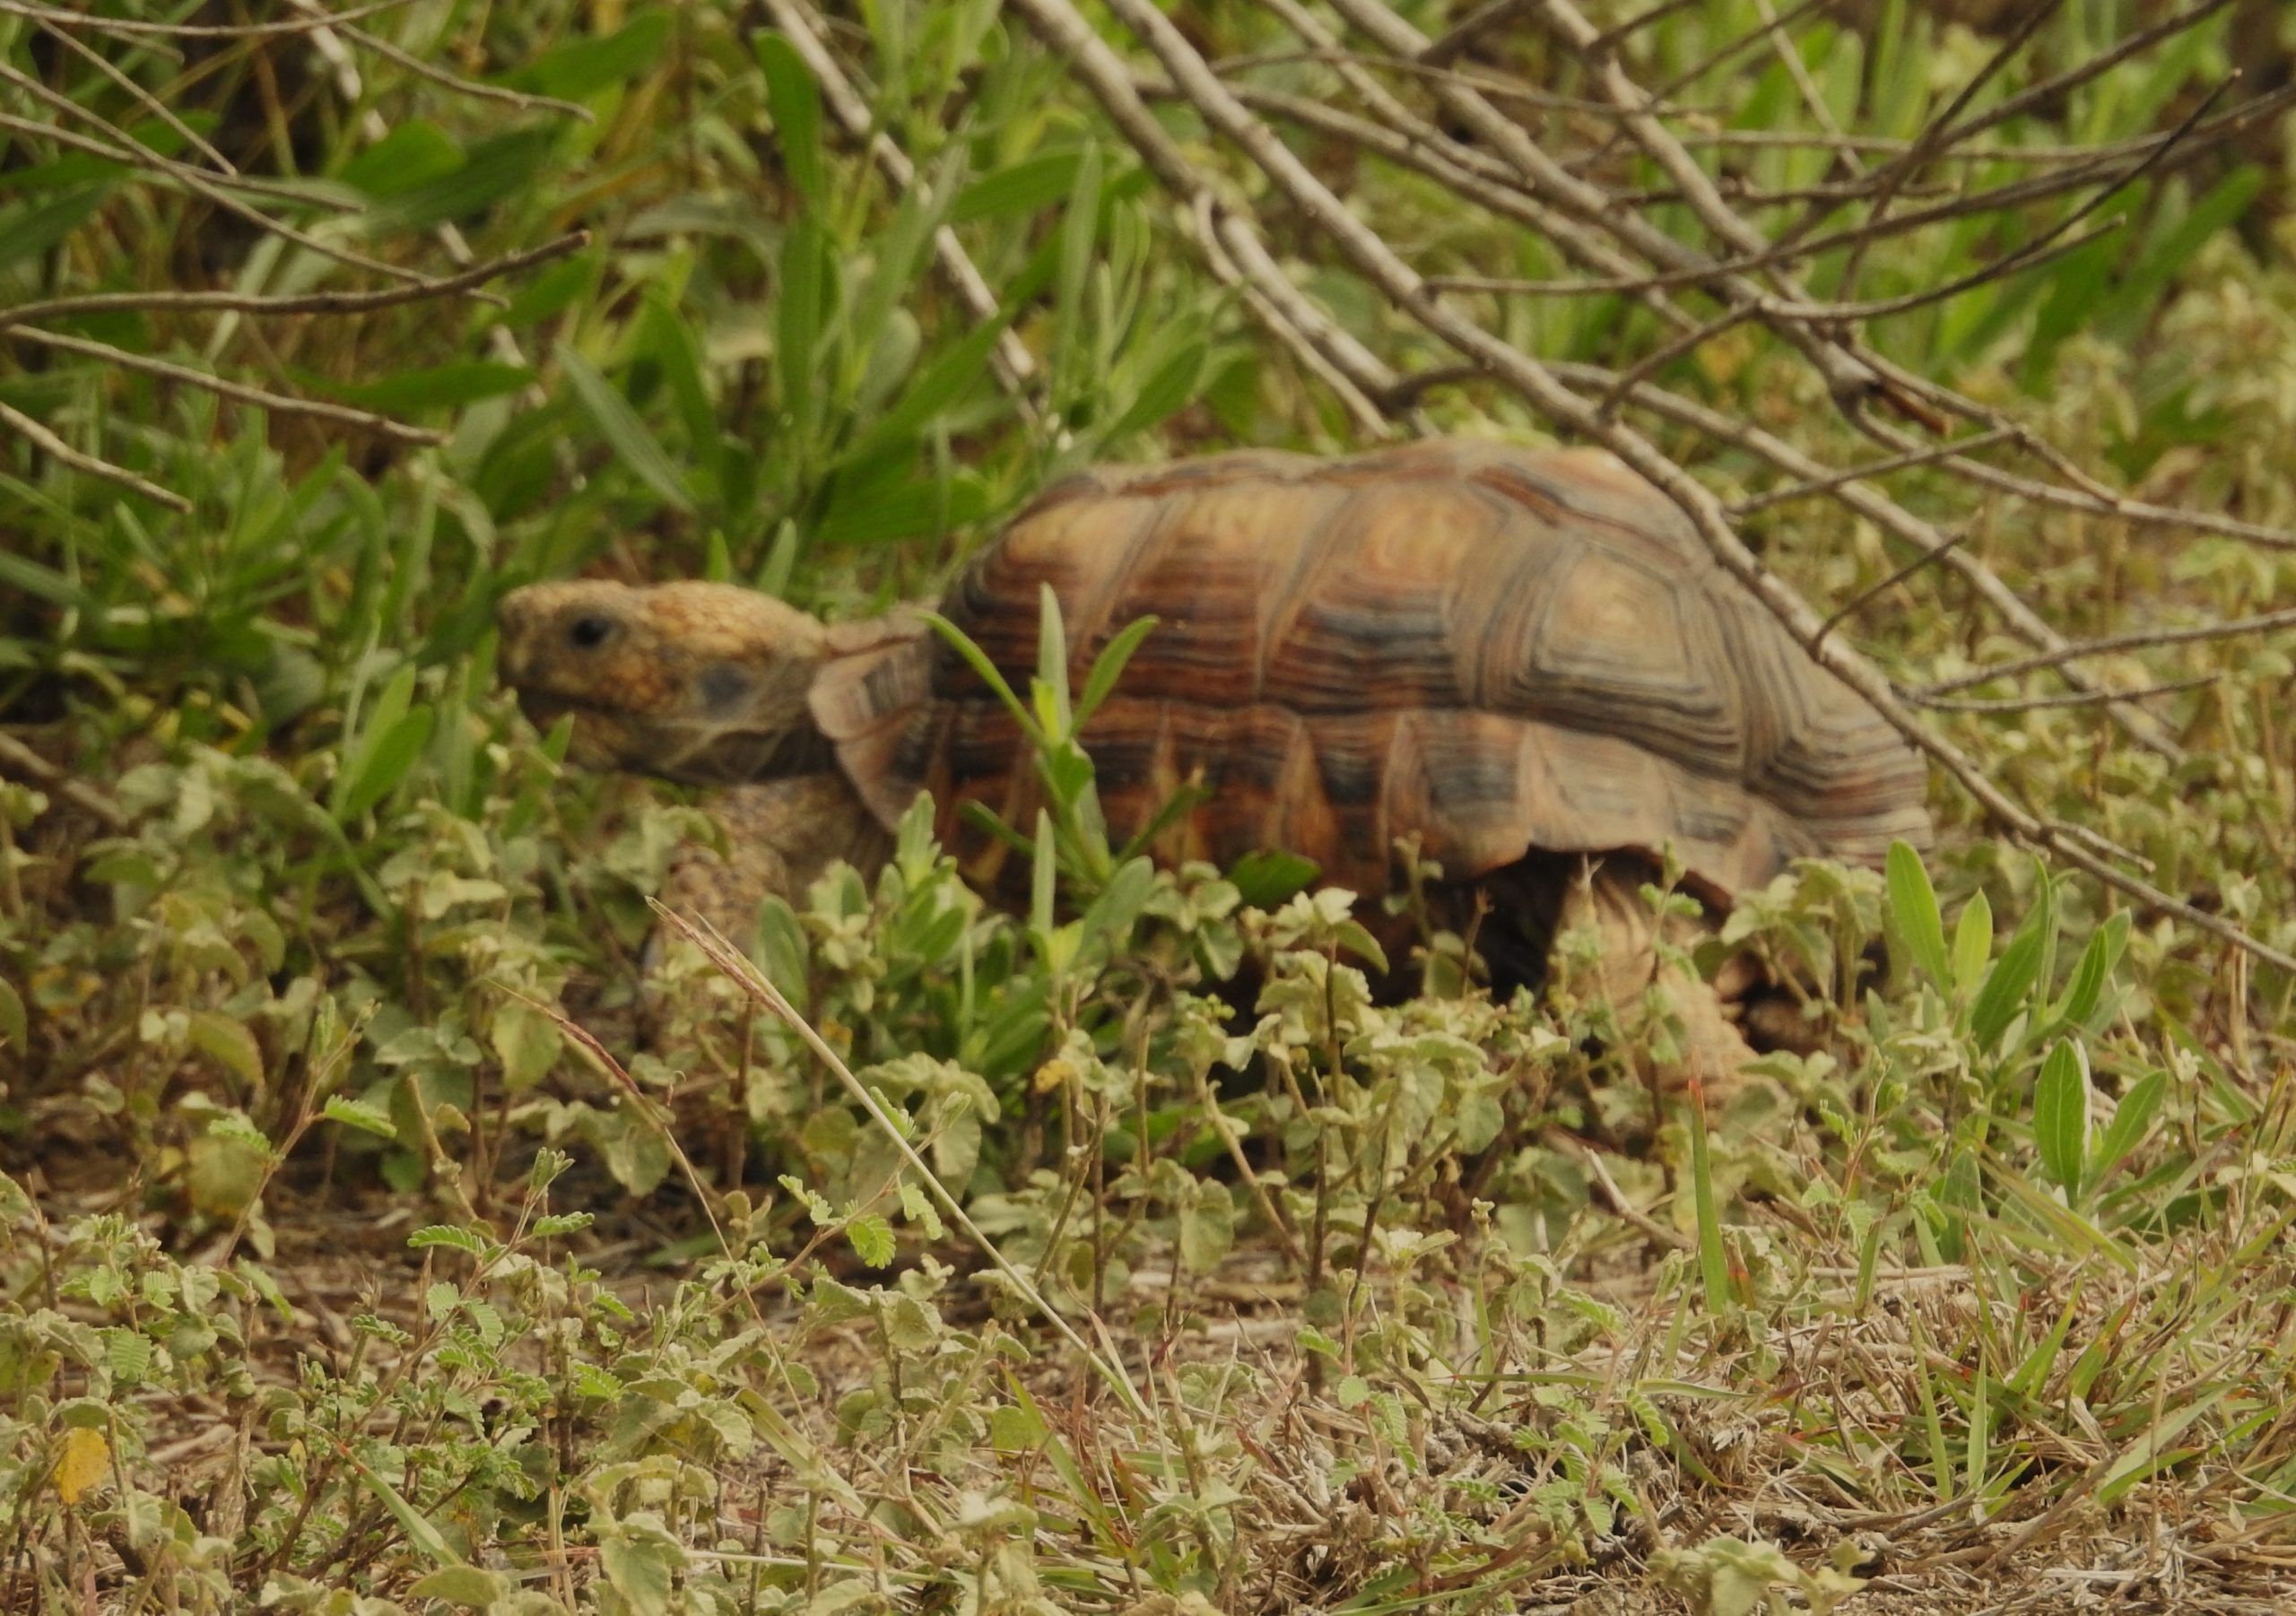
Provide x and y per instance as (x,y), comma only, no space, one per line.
(590,632)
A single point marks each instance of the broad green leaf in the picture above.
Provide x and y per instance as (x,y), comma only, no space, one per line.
(1025,186)
(1713,1261)
(42,583)
(1265,879)
(1042,883)
(905,510)
(415,153)
(624,433)
(643,1570)
(230,1043)
(2061,1114)
(440,388)
(1972,943)
(871,1240)
(2131,1120)
(1109,666)
(468,1585)
(15,1026)
(780,949)
(30,230)
(2012,977)
(794,100)
(977,660)
(1913,907)
(1163,394)
(445,1234)
(1079,228)
(1119,903)
(898,253)
(526,1042)
(386,763)
(495,168)
(418,1528)
(1052,665)
(2094,969)
(580,68)
(361,1115)
(552,289)
(1207,1226)
(806,275)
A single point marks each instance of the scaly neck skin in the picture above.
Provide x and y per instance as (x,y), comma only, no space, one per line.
(781,835)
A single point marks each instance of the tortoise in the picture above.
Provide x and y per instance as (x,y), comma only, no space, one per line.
(1526,659)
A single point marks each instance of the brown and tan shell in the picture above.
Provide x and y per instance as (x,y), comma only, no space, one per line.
(1495,649)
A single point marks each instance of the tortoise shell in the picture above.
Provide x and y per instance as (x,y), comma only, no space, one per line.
(1493,649)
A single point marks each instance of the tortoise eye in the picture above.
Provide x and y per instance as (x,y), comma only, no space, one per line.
(590,632)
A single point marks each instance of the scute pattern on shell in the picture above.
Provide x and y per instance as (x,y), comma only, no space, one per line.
(1496,648)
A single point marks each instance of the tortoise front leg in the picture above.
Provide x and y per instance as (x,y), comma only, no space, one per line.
(1714,1051)
(781,835)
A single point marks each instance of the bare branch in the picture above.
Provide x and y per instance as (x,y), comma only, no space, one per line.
(135,155)
(2019,704)
(473,88)
(142,98)
(1872,468)
(128,26)
(2140,639)
(308,302)
(66,455)
(238,392)
(1867,501)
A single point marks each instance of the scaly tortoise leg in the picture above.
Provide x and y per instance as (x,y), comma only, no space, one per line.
(781,835)
(1714,1051)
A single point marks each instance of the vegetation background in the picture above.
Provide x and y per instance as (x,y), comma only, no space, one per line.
(379,1237)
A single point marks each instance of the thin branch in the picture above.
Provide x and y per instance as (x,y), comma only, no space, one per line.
(2139,639)
(2139,513)
(1921,560)
(1354,376)
(1812,98)
(1476,23)
(197,31)
(308,302)
(1281,307)
(1612,38)
(137,155)
(238,392)
(2082,72)
(2019,704)
(473,88)
(1847,377)
(1872,468)
(1866,500)
(1931,136)
(142,157)
(66,455)
(2091,166)
(1504,90)
(141,97)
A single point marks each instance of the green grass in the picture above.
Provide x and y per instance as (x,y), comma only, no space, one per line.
(372,1233)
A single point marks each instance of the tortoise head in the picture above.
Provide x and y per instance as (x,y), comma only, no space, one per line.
(693,682)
